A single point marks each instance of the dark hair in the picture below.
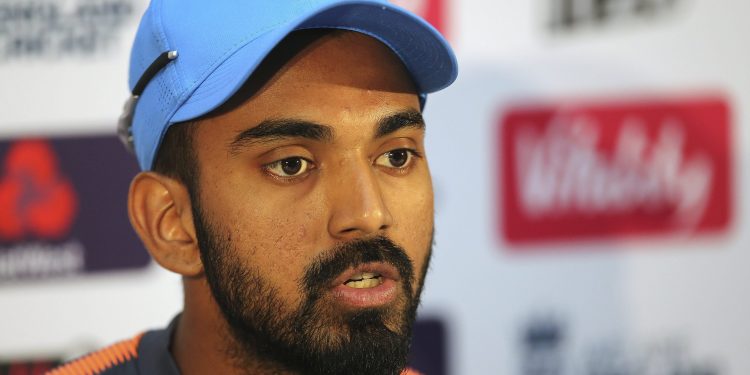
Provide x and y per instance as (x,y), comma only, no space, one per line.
(176,157)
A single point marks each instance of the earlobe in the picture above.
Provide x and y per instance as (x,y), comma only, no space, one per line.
(160,212)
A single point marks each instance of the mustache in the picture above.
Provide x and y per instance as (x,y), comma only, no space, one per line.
(326,268)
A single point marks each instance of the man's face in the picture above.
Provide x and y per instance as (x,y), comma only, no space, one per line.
(314,210)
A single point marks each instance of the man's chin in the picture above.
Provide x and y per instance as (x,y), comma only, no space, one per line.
(328,322)
(370,341)
(376,340)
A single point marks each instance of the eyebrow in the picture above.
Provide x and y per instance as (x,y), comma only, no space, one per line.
(271,130)
(275,129)
(405,119)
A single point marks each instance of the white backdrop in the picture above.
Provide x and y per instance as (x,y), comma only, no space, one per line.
(652,305)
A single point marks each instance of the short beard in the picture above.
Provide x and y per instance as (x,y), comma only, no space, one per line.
(313,338)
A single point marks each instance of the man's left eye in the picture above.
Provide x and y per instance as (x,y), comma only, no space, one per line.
(289,167)
(400,158)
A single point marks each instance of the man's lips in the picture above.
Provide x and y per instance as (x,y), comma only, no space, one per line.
(384,270)
(368,285)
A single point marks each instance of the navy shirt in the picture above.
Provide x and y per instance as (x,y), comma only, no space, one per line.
(145,354)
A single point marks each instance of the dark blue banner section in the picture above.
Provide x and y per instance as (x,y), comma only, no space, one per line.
(63,208)
(429,352)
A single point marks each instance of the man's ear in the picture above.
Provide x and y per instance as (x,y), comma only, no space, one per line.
(160,211)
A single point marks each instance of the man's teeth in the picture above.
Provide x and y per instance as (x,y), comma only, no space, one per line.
(366,283)
(364,280)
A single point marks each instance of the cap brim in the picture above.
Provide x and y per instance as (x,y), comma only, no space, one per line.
(424,52)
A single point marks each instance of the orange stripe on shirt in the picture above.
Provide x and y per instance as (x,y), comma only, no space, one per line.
(409,371)
(99,361)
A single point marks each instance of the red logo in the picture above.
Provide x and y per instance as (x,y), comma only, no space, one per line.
(609,169)
(34,198)
(431,10)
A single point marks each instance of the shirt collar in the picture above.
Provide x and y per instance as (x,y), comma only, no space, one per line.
(154,356)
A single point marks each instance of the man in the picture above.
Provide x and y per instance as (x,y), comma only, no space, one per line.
(284,177)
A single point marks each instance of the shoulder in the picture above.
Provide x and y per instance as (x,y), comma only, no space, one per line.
(119,358)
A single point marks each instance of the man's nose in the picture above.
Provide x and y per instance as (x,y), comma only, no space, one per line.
(358,208)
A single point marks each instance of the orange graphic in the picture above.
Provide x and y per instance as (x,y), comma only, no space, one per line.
(35,199)
(98,362)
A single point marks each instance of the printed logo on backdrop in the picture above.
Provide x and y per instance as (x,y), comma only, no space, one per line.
(596,170)
(564,16)
(547,347)
(431,10)
(32,29)
(63,208)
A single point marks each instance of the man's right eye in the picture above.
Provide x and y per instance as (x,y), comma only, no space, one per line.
(289,167)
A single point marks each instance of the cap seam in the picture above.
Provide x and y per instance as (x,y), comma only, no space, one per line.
(161,36)
(166,46)
(157,27)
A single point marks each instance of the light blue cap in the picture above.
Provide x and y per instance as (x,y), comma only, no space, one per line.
(219,44)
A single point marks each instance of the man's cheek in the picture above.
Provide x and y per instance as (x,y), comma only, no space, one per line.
(283,239)
(415,218)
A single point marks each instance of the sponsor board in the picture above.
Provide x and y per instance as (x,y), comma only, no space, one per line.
(431,10)
(547,348)
(34,29)
(63,208)
(573,15)
(604,169)
(429,352)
